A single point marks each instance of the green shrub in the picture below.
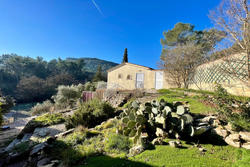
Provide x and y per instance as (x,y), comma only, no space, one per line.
(41,108)
(67,95)
(71,157)
(90,86)
(90,114)
(92,146)
(49,119)
(68,154)
(7,103)
(22,147)
(110,123)
(75,138)
(101,85)
(238,116)
(117,143)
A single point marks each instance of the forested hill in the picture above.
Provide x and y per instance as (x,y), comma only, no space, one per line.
(91,64)
(34,79)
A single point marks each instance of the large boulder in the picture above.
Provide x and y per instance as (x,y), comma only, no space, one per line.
(245,136)
(37,148)
(43,162)
(220,131)
(40,134)
(12,144)
(233,140)
(246,145)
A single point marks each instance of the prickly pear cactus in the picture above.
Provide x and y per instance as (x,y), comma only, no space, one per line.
(140,121)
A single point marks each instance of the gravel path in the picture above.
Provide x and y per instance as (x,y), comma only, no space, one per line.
(21,118)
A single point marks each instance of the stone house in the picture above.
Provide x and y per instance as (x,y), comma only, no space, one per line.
(128,76)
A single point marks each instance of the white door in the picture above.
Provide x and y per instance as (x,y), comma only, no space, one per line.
(158,79)
(139,80)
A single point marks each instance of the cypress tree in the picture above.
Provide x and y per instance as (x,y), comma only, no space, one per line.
(125,56)
(98,75)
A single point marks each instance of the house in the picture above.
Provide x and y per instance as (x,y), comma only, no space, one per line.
(128,76)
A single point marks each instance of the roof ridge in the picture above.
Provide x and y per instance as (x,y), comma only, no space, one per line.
(122,64)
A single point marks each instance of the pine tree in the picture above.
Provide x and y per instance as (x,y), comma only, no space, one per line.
(98,75)
(125,56)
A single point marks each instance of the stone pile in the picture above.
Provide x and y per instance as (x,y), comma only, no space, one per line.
(235,139)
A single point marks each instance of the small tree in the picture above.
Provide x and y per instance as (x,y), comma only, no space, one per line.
(98,75)
(125,56)
(31,89)
(180,63)
(183,49)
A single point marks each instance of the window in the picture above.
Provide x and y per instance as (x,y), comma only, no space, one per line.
(129,77)
(119,76)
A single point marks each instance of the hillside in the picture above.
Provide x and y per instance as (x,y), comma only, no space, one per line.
(30,79)
(91,64)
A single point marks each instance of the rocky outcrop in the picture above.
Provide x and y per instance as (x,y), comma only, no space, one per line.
(40,134)
(35,144)
(233,138)
(117,98)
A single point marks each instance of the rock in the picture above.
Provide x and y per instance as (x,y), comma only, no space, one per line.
(246,145)
(116,98)
(43,162)
(173,144)
(136,150)
(229,127)
(157,141)
(40,133)
(12,144)
(48,165)
(245,136)
(202,149)
(30,127)
(26,137)
(235,136)
(220,131)
(233,140)
(53,163)
(212,120)
(38,148)
(179,143)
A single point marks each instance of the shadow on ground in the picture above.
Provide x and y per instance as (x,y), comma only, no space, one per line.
(209,138)
(73,158)
(106,161)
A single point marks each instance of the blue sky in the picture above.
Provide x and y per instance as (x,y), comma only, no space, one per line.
(78,28)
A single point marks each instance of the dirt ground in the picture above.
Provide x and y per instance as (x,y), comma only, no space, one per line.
(21,118)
